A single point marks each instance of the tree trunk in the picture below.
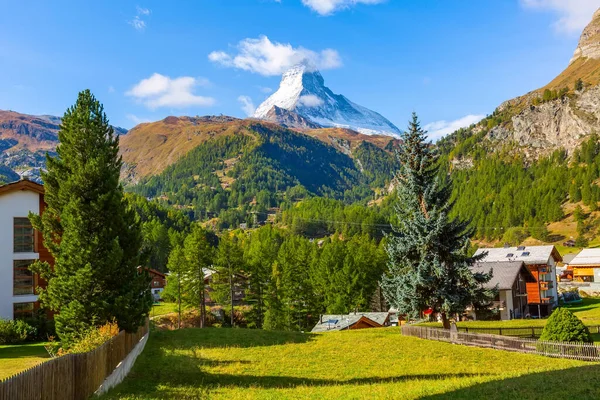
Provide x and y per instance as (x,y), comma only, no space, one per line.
(179,301)
(202,310)
(445,321)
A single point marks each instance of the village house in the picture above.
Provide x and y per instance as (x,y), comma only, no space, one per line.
(240,283)
(585,266)
(511,279)
(356,320)
(20,246)
(157,283)
(542,295)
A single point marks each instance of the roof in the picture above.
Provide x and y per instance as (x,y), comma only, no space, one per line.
(568,258)
(586,257)
(528,254)
(23,184)
(340,322)
(504,273)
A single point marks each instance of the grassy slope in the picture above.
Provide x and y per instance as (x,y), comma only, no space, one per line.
(14,359)
(163,308)
(376,363)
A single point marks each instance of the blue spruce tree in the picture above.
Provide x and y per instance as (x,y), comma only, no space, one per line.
(429,264)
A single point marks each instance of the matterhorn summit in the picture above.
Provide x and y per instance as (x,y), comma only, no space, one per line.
(302,91)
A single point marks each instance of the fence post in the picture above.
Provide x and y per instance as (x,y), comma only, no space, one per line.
(500,331)
(533,332)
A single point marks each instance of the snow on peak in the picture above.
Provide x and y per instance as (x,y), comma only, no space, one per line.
(303,91)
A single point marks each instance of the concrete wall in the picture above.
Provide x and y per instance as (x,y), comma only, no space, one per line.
(507,297)
(13,204)
(123,368)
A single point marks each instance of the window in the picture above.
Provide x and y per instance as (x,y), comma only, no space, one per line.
(23,282)
(23,310)
(23,236)
(520,248)
(510,255)
(525,254)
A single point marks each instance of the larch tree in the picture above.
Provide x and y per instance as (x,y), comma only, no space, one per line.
(229,263)
(429,264)
(199,253)
(90,230)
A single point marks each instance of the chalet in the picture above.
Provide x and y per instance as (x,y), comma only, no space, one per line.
(157,283)
(352,321)
(20,246)
(541,261)
(585,266)
(511,279)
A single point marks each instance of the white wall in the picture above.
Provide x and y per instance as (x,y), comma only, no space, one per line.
(507,298)
(552,276)
(13,204)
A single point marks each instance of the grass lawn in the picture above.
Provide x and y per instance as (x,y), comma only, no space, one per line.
(16,358)
(371,363)
(163,308)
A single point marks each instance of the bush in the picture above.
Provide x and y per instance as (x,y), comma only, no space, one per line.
(44,326)
(14,332)
(90,340)
(564,326)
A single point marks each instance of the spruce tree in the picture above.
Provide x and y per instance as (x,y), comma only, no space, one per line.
(429,265)
(91,231)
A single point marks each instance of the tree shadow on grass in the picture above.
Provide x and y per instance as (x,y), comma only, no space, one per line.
(226,337)
(24,351)
(573,383)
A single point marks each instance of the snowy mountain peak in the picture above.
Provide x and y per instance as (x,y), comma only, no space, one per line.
(302,90)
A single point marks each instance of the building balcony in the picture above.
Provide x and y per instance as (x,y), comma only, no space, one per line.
(548,300)
(546,285)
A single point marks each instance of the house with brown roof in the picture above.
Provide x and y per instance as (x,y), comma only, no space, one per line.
(510,278)
(20,246)
(542,295)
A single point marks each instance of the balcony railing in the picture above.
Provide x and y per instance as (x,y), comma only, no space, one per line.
(548,300)
(546,285)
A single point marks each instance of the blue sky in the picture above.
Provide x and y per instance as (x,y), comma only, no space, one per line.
(450,60)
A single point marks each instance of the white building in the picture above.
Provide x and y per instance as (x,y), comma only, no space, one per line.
(20,246)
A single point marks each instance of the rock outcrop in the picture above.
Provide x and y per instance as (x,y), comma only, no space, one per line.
(589,43)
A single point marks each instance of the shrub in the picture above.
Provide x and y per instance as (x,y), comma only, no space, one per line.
(90,340)
(564,326)
(14,332)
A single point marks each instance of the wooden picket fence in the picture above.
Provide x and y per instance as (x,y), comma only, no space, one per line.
(576,351)
(525,332)
(73,376)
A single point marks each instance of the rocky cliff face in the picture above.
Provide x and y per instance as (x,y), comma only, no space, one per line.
(541,126)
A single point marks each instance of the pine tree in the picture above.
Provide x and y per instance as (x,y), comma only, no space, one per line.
(91,231)
(428,251)
(176,265)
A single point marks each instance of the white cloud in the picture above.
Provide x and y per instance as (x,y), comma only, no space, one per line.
(268,58)
(265,89)
(162,91)
(439,129)
(247,105)
(573,15)
(137,22)
(111,89)
(328,7)
(143,11)
(310,100)
(136,120)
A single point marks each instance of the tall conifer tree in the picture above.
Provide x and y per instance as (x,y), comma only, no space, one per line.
(89,228)
(428,251)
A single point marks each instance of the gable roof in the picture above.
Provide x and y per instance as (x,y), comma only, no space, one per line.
(340,322)
(504,273)
(586,257)
(24,185)
(528,254)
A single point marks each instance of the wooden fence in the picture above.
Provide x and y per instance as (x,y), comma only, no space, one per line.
(524,332)
(576,351)
(74,376)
